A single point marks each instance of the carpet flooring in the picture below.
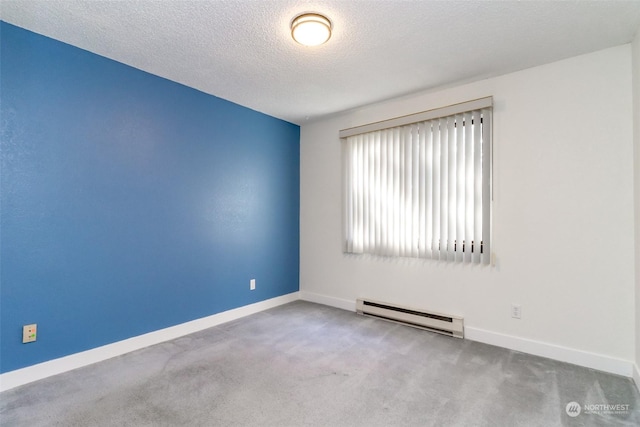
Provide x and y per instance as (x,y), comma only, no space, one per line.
(304,364)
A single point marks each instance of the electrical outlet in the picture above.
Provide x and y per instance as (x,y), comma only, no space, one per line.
(516,311)
(29,333)
(252,285)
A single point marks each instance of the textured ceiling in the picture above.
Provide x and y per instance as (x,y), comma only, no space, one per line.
(241,50)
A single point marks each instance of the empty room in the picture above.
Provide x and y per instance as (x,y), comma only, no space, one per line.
(319,213)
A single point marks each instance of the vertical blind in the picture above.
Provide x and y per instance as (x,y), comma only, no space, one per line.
(421,188)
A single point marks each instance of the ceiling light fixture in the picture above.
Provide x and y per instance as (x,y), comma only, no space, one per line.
(311,29)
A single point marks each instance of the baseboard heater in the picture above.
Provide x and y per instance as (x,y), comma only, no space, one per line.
(435,322)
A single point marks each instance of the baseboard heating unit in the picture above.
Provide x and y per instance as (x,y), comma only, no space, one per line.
(435,322)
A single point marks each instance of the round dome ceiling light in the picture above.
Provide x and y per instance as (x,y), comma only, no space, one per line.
(311,29)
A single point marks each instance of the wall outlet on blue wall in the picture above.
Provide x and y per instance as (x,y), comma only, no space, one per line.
(252,284)
(29,333)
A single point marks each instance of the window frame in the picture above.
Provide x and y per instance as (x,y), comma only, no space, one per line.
(486,105)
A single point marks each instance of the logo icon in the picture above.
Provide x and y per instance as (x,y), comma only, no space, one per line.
(573,409)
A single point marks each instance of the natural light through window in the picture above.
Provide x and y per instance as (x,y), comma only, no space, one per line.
(422,188)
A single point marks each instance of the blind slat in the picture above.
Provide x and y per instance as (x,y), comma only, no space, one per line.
(469,188)
(435,242)
(422,191)
(486,184)
(452,195)
(429,184)
(460,190)
(477,181)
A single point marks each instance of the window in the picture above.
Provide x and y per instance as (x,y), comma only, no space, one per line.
(419,185)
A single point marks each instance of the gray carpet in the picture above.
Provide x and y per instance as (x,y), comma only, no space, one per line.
(306,364)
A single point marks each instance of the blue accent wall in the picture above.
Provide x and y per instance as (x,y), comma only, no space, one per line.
(130,203)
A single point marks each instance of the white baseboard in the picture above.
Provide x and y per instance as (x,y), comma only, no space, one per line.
(552,351)
(343,304)
(538,348)
(16,378)
(26,375)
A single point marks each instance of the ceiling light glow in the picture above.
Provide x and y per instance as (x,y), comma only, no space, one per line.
(311,29)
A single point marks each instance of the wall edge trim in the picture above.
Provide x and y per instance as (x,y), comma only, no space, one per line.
(582,358)
(341,303)
(18,377)
(22,376)
(560,353)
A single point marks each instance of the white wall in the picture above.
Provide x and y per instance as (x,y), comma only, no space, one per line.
(563,211)
(636,139)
